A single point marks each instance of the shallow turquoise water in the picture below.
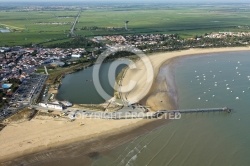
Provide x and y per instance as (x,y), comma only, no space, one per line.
(212,139)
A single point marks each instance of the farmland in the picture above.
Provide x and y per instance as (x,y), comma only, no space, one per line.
(182,20)
(35,26)
(47,27)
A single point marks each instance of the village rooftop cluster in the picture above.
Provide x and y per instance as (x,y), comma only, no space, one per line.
(18,62)
(170,42)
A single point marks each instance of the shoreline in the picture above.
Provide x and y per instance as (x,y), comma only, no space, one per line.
(150,93)
(84,147)
(35,143)
(113,128)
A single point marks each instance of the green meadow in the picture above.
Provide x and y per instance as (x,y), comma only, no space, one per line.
(35,26)
(49,27)
(186,21)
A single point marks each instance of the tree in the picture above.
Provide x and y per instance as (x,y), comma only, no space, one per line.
(34,53)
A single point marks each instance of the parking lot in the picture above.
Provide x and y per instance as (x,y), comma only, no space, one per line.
(29,90)
(27,93)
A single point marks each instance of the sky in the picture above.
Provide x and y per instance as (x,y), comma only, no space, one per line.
(130,1)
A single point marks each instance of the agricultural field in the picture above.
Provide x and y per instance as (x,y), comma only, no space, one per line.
(185,20)
(50,27)
(34,26)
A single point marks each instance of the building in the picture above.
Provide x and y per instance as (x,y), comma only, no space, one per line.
(75,56)
(52,106)
(4,30)
(66,104)
(57,63)
(6,86)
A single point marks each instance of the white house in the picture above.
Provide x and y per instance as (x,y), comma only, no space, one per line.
(75,56)
(52,106)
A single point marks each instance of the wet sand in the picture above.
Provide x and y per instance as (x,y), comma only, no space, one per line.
(79,151)
(44,133)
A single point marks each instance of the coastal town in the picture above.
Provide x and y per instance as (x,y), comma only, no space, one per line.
(115,82)
(25,71)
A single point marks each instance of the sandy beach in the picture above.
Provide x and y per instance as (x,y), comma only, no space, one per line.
(153,93)
(46,133)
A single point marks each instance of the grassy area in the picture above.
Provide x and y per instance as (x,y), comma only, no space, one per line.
(51,27)
(24,114)
(51,71)
(186,21)
(35,26)
(1,127)
(93,107)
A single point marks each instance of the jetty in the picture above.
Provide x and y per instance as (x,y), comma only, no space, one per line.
(199,110)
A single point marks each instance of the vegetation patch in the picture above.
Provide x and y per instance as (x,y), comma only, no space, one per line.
(23,115)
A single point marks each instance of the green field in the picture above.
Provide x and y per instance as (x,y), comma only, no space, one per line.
(35,26)
(182,20)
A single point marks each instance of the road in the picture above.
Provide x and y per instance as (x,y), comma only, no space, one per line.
(74,24)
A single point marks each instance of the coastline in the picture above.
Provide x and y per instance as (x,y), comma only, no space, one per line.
(163,94)
(42,141)
(153,94)
(48,134)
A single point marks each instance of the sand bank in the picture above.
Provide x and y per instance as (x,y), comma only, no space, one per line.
(154,93)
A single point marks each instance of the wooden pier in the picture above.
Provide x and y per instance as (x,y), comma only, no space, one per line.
(224,109)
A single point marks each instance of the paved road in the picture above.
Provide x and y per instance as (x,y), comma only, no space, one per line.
(74,24)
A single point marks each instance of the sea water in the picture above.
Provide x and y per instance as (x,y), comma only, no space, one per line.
(207,139)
